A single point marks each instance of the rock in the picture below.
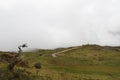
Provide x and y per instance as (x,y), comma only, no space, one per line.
(37,65)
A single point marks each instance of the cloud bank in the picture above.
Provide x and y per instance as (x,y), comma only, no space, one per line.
(59,23)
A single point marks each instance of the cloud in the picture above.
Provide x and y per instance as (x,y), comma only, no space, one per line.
(59,23)
(115,33)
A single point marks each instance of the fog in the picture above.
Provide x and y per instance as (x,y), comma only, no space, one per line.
(58,23)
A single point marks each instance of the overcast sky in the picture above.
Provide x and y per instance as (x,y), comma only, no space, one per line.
(59,23)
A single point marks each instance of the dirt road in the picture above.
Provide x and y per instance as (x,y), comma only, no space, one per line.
(54,54)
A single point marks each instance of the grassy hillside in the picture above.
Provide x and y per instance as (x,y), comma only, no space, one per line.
(87,62)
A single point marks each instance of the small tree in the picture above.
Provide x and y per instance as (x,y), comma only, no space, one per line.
(16,58)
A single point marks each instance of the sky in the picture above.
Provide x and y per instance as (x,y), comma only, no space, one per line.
(58,23)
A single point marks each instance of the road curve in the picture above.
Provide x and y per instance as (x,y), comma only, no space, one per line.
(54,54)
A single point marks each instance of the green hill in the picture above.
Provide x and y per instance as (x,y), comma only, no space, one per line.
(87,62)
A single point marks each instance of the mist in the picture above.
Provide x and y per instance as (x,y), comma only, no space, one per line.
(59,23)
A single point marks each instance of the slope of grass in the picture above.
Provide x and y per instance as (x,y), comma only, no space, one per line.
(88,62)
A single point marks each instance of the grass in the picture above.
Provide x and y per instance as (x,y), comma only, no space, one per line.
(88,62)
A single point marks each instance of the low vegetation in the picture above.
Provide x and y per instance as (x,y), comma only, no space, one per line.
(87,62)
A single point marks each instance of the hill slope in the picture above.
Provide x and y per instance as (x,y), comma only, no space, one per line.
(87,62)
